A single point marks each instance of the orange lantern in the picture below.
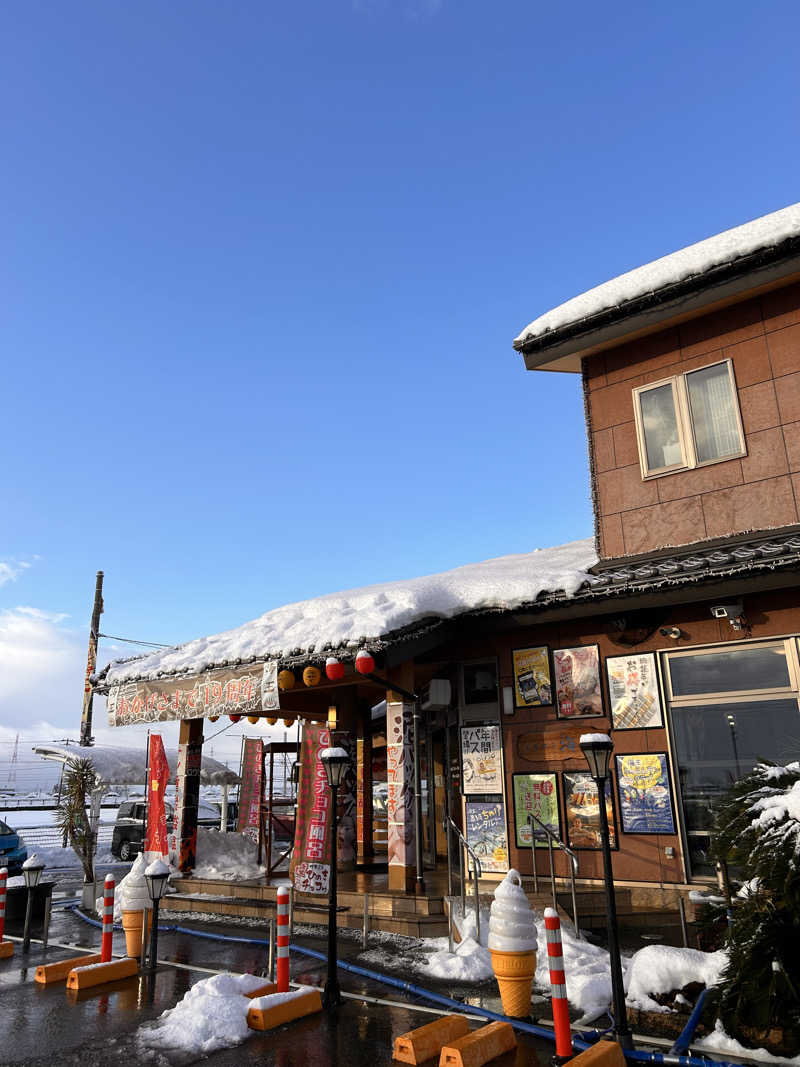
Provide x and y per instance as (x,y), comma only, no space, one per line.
(288,722)
(272,722)
(312,676)
(213,718)
(253,719)
(286,680)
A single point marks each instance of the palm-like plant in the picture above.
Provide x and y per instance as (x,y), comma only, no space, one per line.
(79,781)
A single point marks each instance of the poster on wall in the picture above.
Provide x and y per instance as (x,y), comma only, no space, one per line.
(532,683)
(583,811)
(633,688)
(645,799)
(486,833)
(481,760)
(577,672)
(537,795)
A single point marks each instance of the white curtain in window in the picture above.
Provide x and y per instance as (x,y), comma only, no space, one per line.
(713,407)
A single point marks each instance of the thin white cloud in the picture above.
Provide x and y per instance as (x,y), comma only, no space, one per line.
(10,570)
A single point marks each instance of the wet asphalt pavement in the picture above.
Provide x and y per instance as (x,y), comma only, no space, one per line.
(46,1026)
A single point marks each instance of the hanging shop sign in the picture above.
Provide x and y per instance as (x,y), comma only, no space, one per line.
(645,798)
(533,686)
(577,672)
(244,690)
(481,759)
(633,687)
(486,834)
(537,795)
(251,788)
(310,869)
(583,811)
(548,743)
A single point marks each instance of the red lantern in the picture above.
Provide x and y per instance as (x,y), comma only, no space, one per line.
(234,718)
(334,668)
(365,663)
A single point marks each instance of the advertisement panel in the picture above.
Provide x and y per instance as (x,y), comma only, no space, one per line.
(633,688)
(583,811)
(537,795)
(577,672)
(486,834)
(481,759)
(310,869)
(532,684)
(645,797)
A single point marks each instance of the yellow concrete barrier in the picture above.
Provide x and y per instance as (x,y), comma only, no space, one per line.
(6,949)
(427,1041)
(479,1047)
(57,972)
(265,1016)
(263,991)
(99,973)
(603,1054)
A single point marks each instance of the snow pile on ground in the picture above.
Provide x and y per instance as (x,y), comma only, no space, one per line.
(725,247)
(346,619)
(470,962)
(212,1015)
(719,1041)
(661,968)
(57,857)
(233,856)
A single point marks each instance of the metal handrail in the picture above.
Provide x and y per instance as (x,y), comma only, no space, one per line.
(451,827)
(553,840)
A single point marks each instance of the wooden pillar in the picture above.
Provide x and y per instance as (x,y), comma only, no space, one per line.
(364,827)
(187,792)
(400,782)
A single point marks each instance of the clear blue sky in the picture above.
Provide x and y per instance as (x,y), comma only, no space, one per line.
(262,265)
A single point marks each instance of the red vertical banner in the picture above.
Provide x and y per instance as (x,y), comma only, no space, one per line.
(311,859)
(157,780)
(251,787)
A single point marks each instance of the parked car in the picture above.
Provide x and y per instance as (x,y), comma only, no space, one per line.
(126,841)
(12,852)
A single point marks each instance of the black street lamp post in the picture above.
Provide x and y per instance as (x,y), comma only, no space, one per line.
(156,876)
(597,749)
(335,761)
(31,873)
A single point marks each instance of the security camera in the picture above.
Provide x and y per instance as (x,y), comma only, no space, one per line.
(732,610)
(674,632)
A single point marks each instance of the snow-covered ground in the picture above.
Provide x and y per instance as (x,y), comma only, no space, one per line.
(233,856)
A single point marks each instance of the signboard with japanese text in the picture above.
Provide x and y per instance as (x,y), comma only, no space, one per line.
(583,811)
(537,795)
(249,689)
(645,798)
(633,688)
(485,824)
(311,860)
(481,759)
(577,672)
(250,789)
(532,684)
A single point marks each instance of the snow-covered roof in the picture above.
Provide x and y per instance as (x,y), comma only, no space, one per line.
(116,765)
(697,259)
(366,616)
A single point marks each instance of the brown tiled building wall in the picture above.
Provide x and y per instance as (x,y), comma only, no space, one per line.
(759,491)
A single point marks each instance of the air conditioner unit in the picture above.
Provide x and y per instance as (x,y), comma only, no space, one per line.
(435,695)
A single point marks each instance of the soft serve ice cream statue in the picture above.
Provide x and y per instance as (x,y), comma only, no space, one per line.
(513,944)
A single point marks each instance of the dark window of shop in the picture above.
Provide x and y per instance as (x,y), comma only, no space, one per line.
(729,709)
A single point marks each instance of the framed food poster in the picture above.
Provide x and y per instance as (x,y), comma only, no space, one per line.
(645,797)
(633,688)
(481,759)
(583,811)
(577,677)
(537,795)
(485,823)
(532,684)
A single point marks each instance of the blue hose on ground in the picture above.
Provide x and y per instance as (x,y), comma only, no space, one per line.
(579,1043)
(686,1035)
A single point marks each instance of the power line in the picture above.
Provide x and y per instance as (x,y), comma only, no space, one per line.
(131,641)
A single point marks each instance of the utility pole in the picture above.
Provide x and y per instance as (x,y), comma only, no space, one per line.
(91,663)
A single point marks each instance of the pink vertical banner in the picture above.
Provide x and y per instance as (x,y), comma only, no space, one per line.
(311,859)
(252,776)
(400,784)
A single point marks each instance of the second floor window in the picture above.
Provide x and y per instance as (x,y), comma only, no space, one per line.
(688,420)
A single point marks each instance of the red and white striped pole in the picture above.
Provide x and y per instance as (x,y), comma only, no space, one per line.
(558,986)
(3,882)
(108,919)
(282,970)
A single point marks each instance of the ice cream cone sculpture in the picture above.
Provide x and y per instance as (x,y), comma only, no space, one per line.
(513,944)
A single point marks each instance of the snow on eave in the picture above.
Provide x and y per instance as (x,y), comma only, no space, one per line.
(346,620)
(695,260)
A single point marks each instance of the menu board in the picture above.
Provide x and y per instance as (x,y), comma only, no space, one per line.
(537,795)
(645,799)
(577,672)
(485,823)
(583,811)
(532,684)
(633,687)
(481,759)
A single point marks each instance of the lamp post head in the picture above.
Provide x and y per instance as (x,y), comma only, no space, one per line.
(335,761)
(32,871)
(157,877)
(597,749)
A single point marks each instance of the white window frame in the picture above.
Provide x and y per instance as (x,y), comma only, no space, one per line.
(686,435)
